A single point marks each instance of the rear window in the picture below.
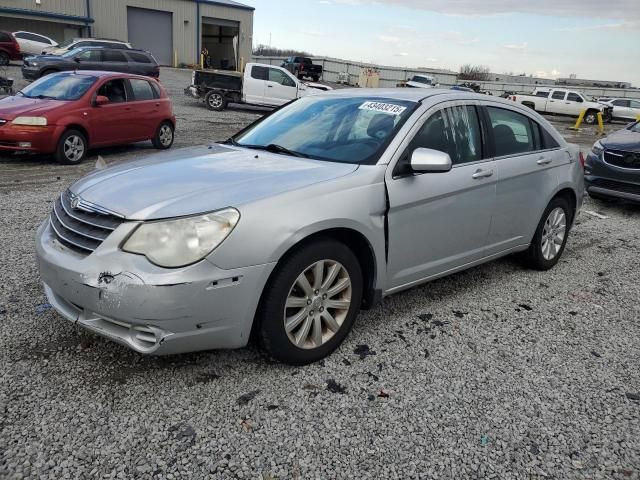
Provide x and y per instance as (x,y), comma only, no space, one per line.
(558,95)
(139,57)
(260,73)
(5,37)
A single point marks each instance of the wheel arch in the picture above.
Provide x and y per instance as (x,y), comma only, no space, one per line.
(80,128)
(570,195)
(358,243)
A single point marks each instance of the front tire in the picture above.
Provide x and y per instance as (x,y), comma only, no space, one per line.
(164,136)
(591,117)
(215,101)
(310,303)
(72,148)
(551,236)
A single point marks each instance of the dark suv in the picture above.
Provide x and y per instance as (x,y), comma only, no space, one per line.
(9,48)
(138,62)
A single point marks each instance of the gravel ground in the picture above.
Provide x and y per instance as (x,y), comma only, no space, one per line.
(497,372)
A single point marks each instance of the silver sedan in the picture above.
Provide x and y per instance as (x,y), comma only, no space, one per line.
(316,211)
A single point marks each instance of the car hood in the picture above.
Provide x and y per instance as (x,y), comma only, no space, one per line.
(11,107)
(45,58)
(623,140)
(200,179)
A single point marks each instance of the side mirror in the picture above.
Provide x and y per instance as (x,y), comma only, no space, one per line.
(428,160)
(101,100)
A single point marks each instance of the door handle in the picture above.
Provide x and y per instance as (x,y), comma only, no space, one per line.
(544,161)
(269,86)
(482,174)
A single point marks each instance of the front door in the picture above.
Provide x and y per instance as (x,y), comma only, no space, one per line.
(90,60)
(574,104)
(280,87)
(439,222)
(112,123)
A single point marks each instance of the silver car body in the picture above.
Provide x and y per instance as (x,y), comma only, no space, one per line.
(411,229)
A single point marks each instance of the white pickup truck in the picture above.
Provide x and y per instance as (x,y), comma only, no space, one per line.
(563,102)
(260,84)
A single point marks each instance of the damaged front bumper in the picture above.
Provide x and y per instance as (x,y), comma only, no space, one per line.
(149,309)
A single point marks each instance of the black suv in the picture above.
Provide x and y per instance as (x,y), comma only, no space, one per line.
(138,62)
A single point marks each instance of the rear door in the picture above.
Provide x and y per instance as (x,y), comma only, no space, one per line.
(114,61)
(440,221)
(526,160)
(280,87)
(254,84)
(556,102)
(145,108)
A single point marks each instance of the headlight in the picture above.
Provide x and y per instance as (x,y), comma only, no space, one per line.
(181,242)
(33,121)
(597,148)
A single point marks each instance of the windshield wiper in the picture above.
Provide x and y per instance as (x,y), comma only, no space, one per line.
(43,97)
(272,147)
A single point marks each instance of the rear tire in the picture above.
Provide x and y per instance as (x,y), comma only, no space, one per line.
(4,59)
(551,236)
(215,101)
(164,136)
(310,303)
(72,147)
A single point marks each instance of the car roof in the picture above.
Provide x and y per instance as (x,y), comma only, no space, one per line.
(126,50)
(104,74)
(407,94)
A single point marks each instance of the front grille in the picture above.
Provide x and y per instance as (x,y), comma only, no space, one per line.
(618,186)
(83,228)
(622,159)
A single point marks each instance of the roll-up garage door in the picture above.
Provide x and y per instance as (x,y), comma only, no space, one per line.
(151,30)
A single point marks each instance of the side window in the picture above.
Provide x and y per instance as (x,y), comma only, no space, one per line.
(558,95)
(512,132)
(634,104)
(621,103)
(260,73)
(37,38)
(113,56)
(574,97)
(280,77)
(114,90)
(139,57)
(90,56)
(21,35)
(80,44)
(453,130)
(547,140)
(542,94)
(141,89)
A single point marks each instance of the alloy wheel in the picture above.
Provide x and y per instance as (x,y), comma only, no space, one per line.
(553,234)
(317,304)
(73,148)
(215,100)
(165,135)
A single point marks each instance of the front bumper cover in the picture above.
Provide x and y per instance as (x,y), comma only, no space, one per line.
(149,309)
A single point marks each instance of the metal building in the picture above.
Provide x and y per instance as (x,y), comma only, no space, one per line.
(175,31)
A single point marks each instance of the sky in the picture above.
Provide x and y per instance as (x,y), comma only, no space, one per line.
(594,39)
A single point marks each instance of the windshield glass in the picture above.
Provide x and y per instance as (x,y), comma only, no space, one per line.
(61,86)
(339,129)
(72,53)
(424,80)
(635,127)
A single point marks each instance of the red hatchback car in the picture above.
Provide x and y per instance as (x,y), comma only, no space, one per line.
(68,113)
(9,48)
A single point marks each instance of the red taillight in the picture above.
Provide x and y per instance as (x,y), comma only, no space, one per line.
(581,160)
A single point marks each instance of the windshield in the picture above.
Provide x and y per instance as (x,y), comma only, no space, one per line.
(66,43)
(61,86)
(424,80)
(635,127)
(72,53)
(339,129)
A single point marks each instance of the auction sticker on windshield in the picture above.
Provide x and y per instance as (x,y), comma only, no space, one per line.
(381,107)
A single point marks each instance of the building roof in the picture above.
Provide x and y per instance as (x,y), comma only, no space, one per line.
(227,3)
